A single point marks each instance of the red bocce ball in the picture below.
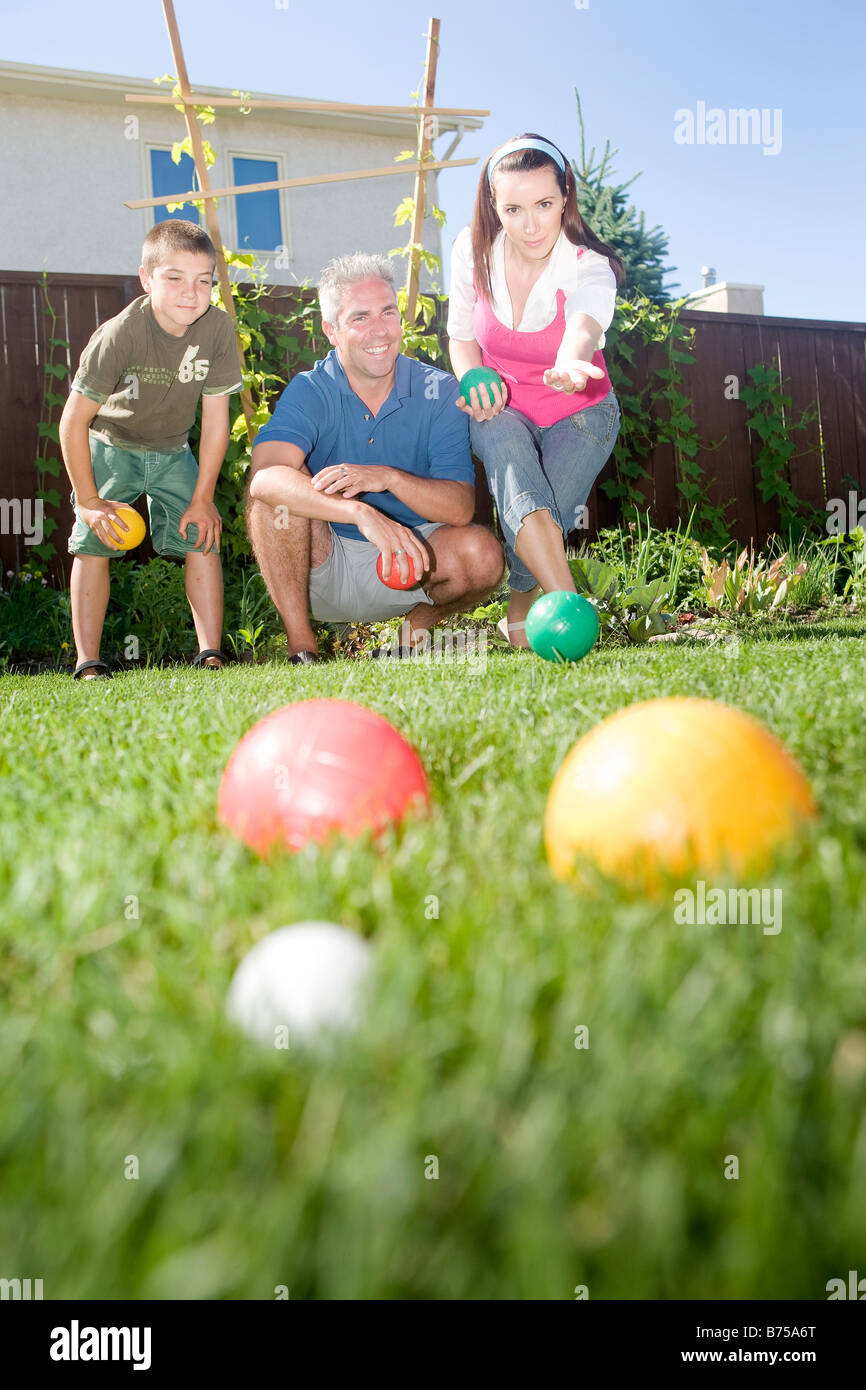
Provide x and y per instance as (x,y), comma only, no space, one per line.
(316,767)
(394,581)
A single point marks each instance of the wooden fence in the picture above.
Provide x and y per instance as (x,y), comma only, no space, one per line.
(81,303)
(823,365)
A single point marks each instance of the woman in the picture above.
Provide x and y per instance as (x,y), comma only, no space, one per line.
(532,291)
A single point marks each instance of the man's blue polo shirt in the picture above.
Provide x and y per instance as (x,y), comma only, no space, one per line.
(417,429)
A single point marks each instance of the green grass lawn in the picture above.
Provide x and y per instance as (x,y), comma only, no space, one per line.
(558,1167)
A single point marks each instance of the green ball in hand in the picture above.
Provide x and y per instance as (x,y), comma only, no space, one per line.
(480,376)
(562,626)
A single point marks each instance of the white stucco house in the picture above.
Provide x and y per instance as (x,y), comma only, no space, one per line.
(726,296)
(73,152)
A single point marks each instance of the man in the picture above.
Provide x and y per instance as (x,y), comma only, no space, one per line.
(366,454)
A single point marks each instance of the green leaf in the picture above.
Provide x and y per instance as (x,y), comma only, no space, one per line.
(648,594)
(639,629)
(593,576)
(238,258)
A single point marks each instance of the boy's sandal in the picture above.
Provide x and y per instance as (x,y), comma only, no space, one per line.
(202,659)
(304,658)
(101,669)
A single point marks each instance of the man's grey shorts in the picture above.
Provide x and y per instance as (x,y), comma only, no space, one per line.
(346,588)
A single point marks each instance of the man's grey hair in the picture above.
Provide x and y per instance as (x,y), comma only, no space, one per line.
(350,270)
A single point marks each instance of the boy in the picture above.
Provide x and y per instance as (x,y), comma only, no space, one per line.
(124,432)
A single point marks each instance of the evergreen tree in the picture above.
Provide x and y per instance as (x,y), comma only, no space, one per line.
(603,206)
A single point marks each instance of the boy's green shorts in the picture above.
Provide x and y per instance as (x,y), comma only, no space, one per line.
(167,480)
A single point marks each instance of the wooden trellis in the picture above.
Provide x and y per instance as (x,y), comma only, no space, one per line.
(206,194)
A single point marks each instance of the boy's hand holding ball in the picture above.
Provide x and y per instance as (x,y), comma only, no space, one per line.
(116,524)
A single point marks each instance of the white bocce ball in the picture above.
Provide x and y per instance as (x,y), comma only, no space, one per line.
(307,979)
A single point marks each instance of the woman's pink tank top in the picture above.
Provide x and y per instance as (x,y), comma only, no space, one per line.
(521,359)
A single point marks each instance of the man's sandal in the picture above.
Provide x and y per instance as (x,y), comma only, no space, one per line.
(305,658)
(203,659)
(101,670)
(398,653)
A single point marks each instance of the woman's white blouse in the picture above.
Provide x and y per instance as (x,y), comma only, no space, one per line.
(588,282)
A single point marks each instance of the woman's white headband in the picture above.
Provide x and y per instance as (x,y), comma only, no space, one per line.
(516,145)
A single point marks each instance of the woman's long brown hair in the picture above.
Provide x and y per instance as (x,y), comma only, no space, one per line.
(486,224)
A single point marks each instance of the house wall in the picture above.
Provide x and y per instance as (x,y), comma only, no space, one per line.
(727,298)
(67,167)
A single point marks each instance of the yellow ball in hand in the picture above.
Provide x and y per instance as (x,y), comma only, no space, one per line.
(128,540)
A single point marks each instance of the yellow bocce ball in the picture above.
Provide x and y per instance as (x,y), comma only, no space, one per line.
(128,540)
(679,786)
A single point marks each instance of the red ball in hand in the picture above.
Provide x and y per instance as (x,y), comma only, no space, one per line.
(393,580)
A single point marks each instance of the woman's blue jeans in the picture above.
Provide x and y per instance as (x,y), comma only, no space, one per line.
(533,468)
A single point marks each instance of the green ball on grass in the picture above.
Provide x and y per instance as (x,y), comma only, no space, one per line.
(562,626)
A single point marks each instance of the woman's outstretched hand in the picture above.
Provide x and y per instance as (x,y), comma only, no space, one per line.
(571,376)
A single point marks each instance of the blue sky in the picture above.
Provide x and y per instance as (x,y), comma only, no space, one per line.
(791,221)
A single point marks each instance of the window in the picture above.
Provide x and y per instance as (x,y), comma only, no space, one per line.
(168,177)
(258,214)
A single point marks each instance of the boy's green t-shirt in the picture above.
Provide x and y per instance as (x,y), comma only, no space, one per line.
(148,383)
